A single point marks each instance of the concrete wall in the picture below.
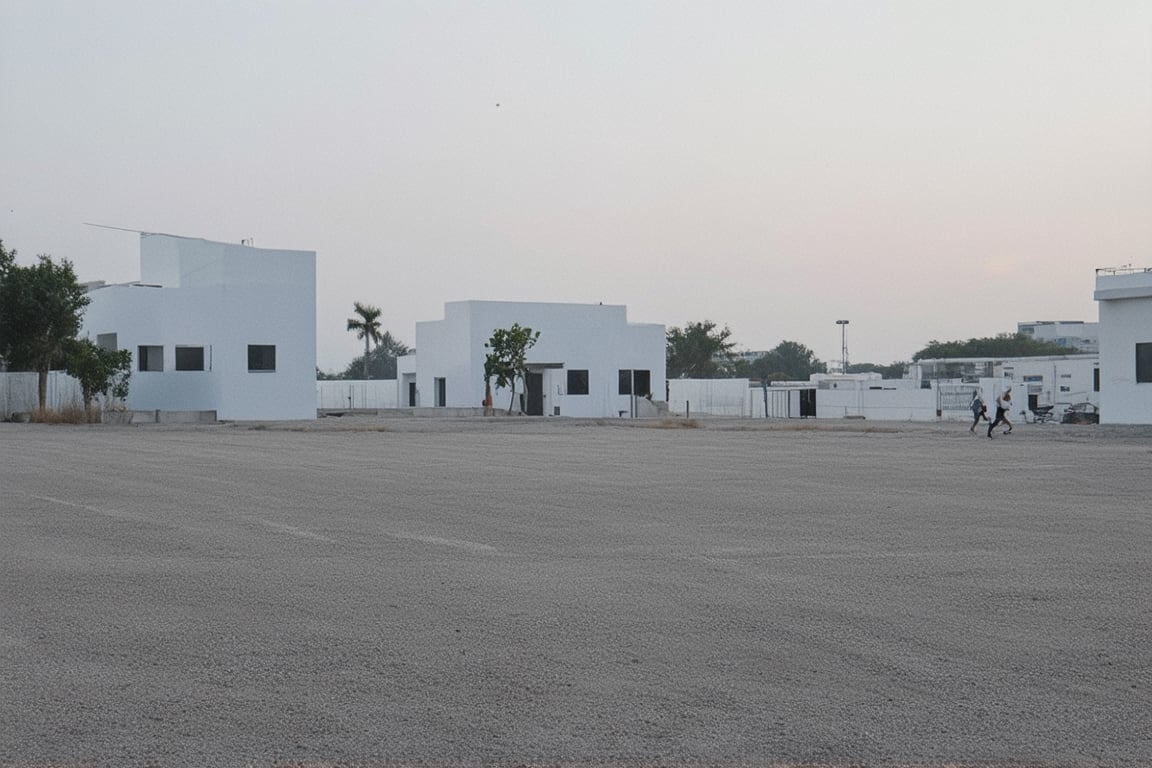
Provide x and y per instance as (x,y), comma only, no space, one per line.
(593,337)
(1125,302)
(223,298)
(352,394)
(19,392)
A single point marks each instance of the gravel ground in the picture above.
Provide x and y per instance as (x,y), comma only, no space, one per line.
(370,591)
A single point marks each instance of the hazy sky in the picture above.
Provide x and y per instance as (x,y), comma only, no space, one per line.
(926,170)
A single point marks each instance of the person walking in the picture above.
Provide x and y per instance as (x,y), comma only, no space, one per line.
(979,410)
(1003,405)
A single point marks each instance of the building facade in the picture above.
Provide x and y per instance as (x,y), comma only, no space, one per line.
(214,327)
(589,360)
(1124,297)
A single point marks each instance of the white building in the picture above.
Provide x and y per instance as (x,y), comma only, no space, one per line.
(1125,302)
(1074,334)
(214,327)
(589,360)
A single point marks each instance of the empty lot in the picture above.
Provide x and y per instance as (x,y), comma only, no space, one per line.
(549,591)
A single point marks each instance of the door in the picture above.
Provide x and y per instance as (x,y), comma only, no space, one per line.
(411,394)
(535,384)
(807,403)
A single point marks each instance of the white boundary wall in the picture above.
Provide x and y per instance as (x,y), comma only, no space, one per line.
(354,395)
(19,392)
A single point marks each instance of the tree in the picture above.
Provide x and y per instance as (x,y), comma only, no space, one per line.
(698,351)
(40,309)
(367,327)
(1001,345)
(507,360)
(788,361)
(894,370)
(100,371)
(381,360)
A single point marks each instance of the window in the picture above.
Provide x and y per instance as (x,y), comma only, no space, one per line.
(261,357)
(1095,379)
(578,382)
(637,382)
(106,341)
(150,358)
(190,358)
(642,383)
(1144,363)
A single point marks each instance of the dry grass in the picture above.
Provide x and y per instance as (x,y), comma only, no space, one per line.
(69,414)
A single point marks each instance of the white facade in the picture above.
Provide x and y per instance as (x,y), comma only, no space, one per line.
(578,367)
(215,327)
(1075,334)
(1125,302)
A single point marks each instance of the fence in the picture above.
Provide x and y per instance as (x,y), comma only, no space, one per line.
(19,392)
(356,395)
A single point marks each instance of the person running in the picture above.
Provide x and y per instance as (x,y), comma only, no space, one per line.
(1003,405)
(979,410)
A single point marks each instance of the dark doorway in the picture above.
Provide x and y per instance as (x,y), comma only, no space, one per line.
(807,403)
(535,385)
(441,392)
(411,394)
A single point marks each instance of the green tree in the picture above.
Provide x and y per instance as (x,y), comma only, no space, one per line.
(1001,345)
(698,351)
(367,327)
(788,361)
(381,360)
(507,360)
(893,370)
(40,309)
(100,371)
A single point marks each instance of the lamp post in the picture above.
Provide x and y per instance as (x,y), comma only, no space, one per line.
(843,346)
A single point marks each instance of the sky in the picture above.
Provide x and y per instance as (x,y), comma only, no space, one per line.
(926,170)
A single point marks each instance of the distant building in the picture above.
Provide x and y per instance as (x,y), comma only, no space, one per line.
(1124,297)
(1074,334)
(589,360)
(214,327)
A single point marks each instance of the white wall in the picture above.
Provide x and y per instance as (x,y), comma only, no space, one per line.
(374,394)
(593,337)
(1125,302)
(20,392)
(221,297)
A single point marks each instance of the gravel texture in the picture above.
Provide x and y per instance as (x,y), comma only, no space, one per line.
(373,591)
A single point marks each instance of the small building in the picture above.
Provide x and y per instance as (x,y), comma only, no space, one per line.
(589,360)
(1076,335)
(1124,297)
(214,327)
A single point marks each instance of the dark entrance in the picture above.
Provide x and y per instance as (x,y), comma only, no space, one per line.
(411,394)
(535,401)
(807,403)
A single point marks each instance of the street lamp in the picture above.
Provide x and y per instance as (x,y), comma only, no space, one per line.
(843,345)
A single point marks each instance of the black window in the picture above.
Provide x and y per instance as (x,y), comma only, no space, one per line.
(637,382)
(261,357)
(190,358)
(642,383)
(577,382)
(150,358)
(1144,363)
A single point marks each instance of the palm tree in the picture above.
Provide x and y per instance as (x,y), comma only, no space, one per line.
(367,327)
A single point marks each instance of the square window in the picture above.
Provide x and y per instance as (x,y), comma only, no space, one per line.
(150,358)
(642,383)
(625,382)
(106,341)
(577,382)
(190,358)
(1144,363)
(261,357)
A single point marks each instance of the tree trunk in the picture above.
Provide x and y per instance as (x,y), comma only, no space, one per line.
(42,386)
(365,358)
